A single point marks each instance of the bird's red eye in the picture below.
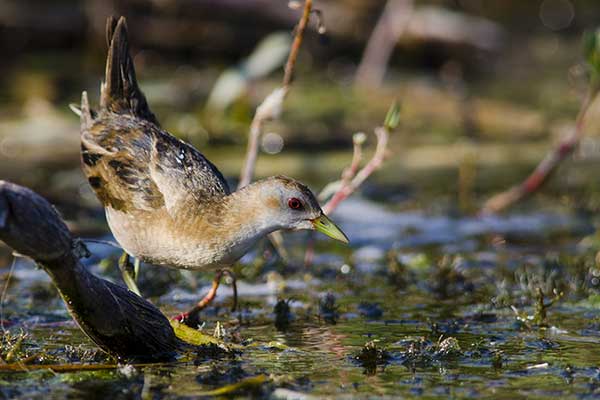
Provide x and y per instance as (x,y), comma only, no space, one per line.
(294,203)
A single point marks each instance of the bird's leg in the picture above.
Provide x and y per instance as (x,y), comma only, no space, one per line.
(129,272)
(234,287)
(192,314)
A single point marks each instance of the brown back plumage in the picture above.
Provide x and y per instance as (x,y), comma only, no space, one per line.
(129,161)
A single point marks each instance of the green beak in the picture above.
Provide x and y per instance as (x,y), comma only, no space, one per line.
(324,225)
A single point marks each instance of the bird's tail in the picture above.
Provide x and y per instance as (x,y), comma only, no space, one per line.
(120,92)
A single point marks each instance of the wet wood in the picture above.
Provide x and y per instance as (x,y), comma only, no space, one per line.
(117,320)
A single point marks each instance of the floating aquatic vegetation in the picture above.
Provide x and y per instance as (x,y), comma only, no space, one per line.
(540,316)
(370,310)
(283,314)
(448,281)
(371,356)
(12,345)
(328,310)
(422,353)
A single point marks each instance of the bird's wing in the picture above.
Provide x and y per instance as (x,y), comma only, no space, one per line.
(132,164)
(115,155)
(183,175)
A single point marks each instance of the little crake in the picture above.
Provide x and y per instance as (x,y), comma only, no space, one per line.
(165,202)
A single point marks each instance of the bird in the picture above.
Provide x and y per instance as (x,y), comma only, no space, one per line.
(165,203)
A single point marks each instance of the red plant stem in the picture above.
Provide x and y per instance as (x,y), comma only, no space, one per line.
(545,168)
(350,172)
(348,187)
(351,180)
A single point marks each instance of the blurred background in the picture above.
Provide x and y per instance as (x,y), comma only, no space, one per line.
(485,89)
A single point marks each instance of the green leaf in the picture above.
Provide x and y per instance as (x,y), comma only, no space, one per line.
(591,52)
(392,119)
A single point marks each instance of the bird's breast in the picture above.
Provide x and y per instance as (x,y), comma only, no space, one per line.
(154,237)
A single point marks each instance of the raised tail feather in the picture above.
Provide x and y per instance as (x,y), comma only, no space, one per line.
(120,91)
(85,113)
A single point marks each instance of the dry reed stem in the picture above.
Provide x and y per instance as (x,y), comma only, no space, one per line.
(270,108)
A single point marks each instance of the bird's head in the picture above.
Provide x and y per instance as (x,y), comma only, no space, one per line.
(291,205)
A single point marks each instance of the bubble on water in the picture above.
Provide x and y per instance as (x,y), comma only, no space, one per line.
(272,143)
(128,370)
(557,14)
(9,148)
(294,4)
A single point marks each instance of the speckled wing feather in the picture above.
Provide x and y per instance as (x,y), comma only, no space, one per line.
(115,155)
(129,161)
(184,175)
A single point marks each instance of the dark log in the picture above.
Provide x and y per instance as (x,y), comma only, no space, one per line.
(117,320)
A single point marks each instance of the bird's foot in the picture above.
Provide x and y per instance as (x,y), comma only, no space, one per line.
(129,272)
(192,316)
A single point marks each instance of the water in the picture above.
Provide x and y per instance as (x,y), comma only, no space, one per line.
(449,304)
(424,303)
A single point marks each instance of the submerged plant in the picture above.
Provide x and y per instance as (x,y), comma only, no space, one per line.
(84,354)
(497,359)
(423,353)
(397,272)
(447,346)
(12,345)
(540,317)
(328,310)
(283,314)
(447,281)
(370,356)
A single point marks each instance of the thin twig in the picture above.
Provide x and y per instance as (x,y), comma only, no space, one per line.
(352,177)
(270,108)
(358,140)
(547,166)
(349,186)
(291,62)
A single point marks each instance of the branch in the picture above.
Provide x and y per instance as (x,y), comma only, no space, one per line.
(352,177)
(591,53)
(352,180)
(546,167)
(118,321)
(358,139)
(349,186)
(271,107)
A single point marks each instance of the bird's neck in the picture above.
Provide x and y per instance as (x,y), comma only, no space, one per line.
(244,216)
